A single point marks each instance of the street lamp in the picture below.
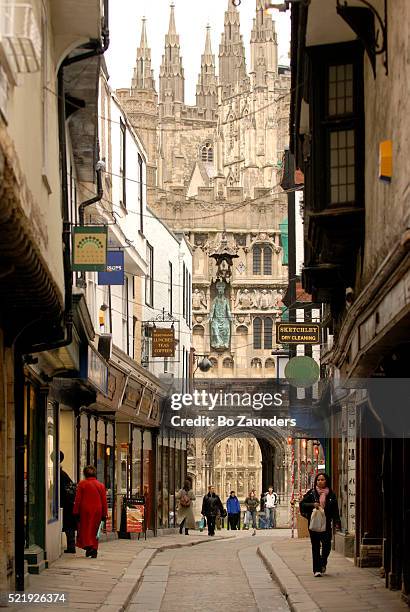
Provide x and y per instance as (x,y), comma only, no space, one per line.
(203,364)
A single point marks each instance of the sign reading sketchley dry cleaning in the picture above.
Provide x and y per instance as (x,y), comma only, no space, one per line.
(90,248)
(163,342)
(298,333)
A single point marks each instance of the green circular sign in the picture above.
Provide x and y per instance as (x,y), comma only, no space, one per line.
(302,371)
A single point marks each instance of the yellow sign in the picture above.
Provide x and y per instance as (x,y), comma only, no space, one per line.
(298,333)
(90,248)
(386,160)
(163,342)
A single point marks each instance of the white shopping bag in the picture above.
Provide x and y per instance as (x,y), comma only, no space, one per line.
(318,520)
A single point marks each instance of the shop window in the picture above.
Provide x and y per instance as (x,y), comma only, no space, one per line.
(100,450)
(84,435)
(52,461)
(136,462)
(262,260)
(148,477)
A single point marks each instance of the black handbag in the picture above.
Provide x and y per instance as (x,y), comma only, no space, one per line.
(223,513)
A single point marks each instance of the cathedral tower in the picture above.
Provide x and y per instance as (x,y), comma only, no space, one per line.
(206,89)
(171,75)
(264,48)
(232,64)
(141,103)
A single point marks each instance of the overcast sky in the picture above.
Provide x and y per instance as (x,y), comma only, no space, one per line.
(192,17)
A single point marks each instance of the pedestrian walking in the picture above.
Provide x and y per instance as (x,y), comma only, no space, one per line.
(251,503)
(185,512)
(211,508)
(90,509)
(322,497)
(233,508)
(67,496)
(271,501)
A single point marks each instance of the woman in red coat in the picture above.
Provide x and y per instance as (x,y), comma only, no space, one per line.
(90,508)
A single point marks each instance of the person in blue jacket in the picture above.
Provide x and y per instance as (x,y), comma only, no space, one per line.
(233,508)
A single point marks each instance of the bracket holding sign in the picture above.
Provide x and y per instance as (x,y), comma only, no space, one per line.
(298,333)
(162,334)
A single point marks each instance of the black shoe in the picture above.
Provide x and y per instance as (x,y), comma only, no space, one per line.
(93,553)
(70,550)
(88,552)
(186,532)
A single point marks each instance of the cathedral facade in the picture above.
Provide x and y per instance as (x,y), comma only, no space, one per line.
(213,173)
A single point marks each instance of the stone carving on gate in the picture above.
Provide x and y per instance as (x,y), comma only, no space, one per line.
(199,301)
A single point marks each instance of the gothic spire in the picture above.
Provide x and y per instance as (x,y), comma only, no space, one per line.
(206,89)
(171,76)
(172,28)
(264,48)
(143,77)
(232,64)
(143,43)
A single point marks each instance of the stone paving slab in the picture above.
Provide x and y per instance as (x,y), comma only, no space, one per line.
(343,587)
(106,583)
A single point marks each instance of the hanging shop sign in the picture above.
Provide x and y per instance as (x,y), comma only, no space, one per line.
(97,370)
(163,342)
(298,333)
(90,248)
(114,274)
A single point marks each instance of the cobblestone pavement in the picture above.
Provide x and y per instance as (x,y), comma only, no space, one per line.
(343,588)
(214,576)
(107,582)
(196,572)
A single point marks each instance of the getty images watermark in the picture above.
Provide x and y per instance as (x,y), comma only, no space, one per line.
(244,402)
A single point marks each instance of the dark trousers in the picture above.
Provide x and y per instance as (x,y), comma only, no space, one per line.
(211,524)
(182,526)
(320,539)
(70,535)
(233,521)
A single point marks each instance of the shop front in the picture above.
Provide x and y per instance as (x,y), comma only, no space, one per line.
(171,473)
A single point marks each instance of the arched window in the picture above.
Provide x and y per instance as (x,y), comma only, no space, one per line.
(257,258)
(264,324)
(267,260)
(262,260)
(257,333)
(267,333)
(207,152)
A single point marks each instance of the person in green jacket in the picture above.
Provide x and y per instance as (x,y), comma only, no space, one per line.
(251,503)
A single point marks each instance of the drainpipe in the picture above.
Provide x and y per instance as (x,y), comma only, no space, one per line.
(99,169)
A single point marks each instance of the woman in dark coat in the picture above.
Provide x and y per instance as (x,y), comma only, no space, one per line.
(321,495)
(67,496)
(211,507)
(90,508)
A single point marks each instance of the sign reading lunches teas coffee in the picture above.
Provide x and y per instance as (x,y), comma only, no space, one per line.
(163,342)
